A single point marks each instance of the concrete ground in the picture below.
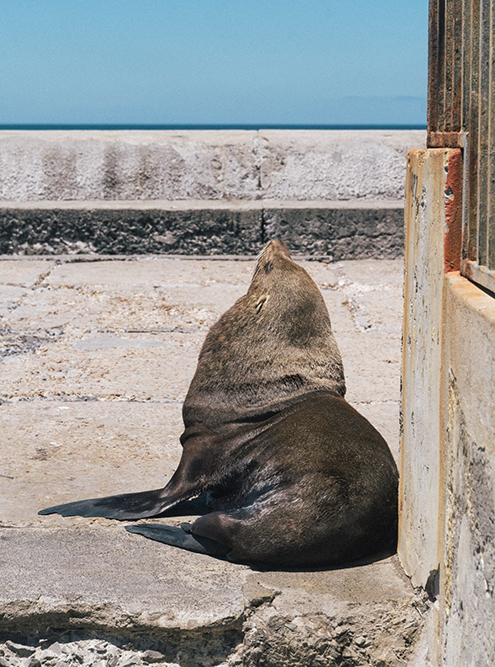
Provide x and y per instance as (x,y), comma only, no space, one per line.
(96,360)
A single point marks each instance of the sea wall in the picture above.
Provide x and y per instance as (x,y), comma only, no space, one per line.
(336,193)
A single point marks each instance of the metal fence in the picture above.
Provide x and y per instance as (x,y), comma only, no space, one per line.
(461,114)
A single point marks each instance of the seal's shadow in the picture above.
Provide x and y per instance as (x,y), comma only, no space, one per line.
(361,562)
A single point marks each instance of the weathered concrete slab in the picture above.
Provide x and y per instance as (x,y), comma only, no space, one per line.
(122,579)
(337,193)
(422,362)
(133,578)
(54,451)
(374,292)
(127,165)
(335,164)
(151,271)
(341,230)
(88,328)
(100,582)
(214,165)
(127,230)
(467,565)
(103,367)
(341,233)
(78,323)
(126,334)
(447,534)
(24,273)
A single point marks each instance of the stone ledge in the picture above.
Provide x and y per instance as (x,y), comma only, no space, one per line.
(339,230)
(99,582)
(85,415)
(197,204)
(215,165)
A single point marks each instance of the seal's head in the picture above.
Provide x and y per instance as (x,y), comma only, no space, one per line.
(275,342)
(287,305)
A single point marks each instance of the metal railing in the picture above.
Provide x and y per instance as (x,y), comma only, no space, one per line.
(461,114)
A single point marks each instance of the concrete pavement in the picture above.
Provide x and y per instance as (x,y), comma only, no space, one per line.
(96,360)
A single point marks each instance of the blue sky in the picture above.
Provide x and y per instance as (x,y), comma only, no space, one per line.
(213,61)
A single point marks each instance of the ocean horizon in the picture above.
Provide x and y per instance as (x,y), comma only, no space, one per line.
(239,126)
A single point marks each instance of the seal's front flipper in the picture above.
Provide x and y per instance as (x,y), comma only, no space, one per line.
(124,507)
(180,537)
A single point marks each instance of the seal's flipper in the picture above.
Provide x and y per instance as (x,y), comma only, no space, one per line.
(194,507)
(180,537)
(124,507)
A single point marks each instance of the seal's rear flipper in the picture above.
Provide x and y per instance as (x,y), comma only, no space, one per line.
(124,507)
(180,537)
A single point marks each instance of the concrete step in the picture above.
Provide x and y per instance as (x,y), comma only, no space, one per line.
(337,229)
(76,585)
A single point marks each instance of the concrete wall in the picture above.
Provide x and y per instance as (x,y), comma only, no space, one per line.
(226,164)
(447,527)
(309,228)
(333,193)
(467,568)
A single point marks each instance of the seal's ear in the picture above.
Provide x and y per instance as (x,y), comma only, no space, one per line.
(261,302)
(268,267)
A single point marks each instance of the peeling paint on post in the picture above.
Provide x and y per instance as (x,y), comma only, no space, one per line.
(432,216)
(447,526)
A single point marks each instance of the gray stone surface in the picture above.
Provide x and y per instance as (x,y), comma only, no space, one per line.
(215,165)
(334,193)
(312,228)
(97,357)
(93,229)
(99,583)
(335,164)
(340,233)
(104,574)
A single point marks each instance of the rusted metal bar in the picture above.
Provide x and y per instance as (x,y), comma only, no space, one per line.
(483,134)
(445,140)
(457,26)
(448,62)
(473,129)
(461,114)
(466,61)
(433,65)
(491,147)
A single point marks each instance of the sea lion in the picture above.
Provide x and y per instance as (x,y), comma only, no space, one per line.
(295,476)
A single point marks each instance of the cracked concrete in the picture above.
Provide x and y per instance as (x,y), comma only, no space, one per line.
(228,165)
(335,193)
(339,229)
(97,359)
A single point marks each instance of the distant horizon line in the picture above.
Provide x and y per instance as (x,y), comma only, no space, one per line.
(210,126)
